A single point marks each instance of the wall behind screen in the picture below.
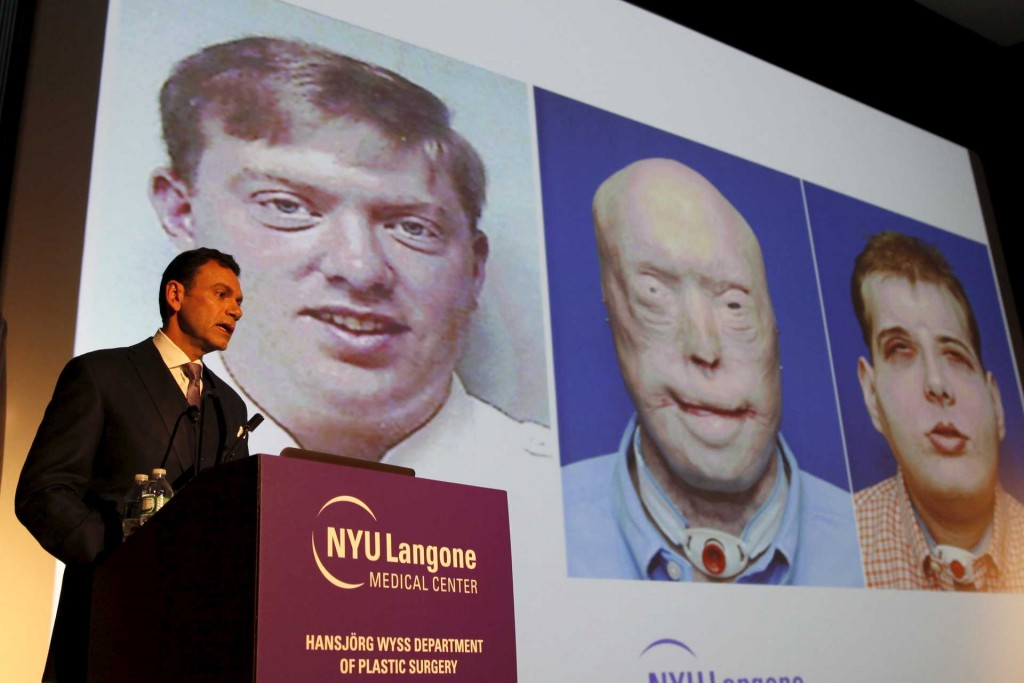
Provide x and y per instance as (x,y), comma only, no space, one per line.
(43,255)
(47,219)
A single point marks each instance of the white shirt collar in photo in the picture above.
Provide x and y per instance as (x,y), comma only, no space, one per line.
(459,443)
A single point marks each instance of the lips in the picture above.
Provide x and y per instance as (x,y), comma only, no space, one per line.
(946,439)
(230,329)
(707,409)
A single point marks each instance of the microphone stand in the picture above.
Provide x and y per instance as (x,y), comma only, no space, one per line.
(193,414)
(202,421)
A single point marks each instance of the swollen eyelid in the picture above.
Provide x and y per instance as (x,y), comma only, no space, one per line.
(958,356)
(895,348)
(652,309)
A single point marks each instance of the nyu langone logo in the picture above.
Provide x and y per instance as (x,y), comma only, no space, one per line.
(676,663)
(342,540)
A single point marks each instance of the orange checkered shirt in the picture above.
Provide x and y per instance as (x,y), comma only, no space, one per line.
(896,553)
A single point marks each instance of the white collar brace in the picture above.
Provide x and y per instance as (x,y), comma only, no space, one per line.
(960,565)
(717,554)
(957,563)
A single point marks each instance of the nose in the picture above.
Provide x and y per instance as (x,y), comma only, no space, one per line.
(699,330)
(936,383)
(235,311)
(352,254)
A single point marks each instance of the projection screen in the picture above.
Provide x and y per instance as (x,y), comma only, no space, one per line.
(589,314)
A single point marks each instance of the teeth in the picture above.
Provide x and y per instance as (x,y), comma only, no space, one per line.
(352,323)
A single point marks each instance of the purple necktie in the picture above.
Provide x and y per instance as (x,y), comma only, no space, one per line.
(193,371)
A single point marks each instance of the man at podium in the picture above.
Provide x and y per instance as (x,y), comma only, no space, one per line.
(112,416)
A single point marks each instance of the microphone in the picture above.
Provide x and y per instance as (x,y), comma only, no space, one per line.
(243,432)
(193,414)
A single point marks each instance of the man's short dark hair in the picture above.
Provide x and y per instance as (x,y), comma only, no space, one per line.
(261,88)
(898,255)
(183,269)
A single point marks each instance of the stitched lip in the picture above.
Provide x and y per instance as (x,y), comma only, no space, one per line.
(706,408)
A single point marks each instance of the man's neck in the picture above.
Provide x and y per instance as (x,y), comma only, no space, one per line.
(957,523)
(356,439)
(725,511)
(170,351)
(173,333)
(355,432)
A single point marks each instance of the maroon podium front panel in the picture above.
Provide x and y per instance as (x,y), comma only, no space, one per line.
(372,576)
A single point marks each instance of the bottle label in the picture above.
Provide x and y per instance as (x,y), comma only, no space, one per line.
(148,506)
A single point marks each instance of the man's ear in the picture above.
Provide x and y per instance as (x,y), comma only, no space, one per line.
(174,294)
(481,250)
(997,403)
(172,200)
(866,375)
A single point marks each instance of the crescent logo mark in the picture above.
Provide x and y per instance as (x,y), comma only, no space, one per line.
(320,565)
(668,641)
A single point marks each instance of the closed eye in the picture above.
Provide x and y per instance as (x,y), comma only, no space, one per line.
(959,357)
(897,348)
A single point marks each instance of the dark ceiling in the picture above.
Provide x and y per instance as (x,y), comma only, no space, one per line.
(1001,21)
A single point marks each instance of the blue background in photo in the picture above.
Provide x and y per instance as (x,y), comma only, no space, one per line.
(580,146)
(841,226)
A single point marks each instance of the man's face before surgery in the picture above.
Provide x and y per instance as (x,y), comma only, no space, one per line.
(366,269)
(693,324)
(927,393)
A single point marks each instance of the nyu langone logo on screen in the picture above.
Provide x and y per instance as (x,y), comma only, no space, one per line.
(350,551)
(672,661)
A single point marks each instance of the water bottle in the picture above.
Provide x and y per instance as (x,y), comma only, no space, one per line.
(161,488)
(147,504)
(132,514)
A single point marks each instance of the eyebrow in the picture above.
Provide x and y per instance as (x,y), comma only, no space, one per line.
(402,203)
(414,205)
(894,331)
(249,175)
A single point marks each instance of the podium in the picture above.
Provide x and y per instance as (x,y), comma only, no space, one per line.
(278,569)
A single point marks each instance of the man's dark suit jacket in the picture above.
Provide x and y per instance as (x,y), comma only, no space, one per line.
(111,417)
